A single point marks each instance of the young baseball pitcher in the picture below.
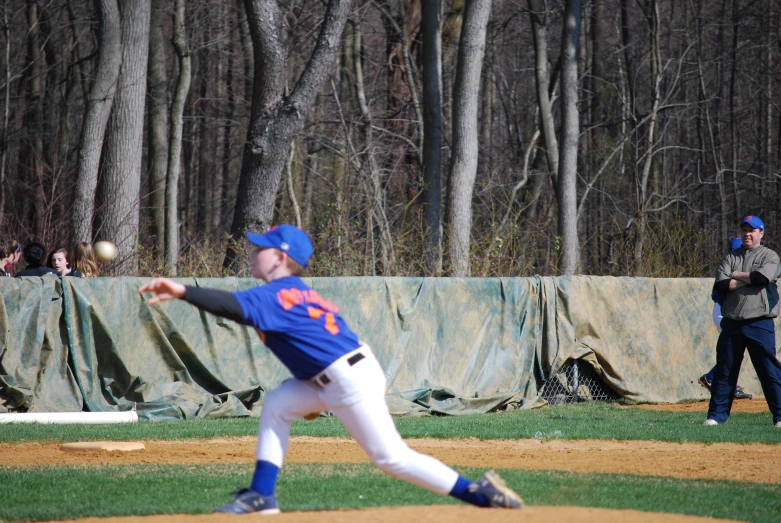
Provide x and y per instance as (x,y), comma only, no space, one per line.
(332,371)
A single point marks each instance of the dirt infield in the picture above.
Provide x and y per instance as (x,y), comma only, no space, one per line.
(681,460)
(752,405)
(430,514)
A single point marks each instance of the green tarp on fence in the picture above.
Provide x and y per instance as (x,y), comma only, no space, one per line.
(448,345)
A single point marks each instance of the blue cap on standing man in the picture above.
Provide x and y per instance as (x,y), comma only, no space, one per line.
(288,239)
(755,221)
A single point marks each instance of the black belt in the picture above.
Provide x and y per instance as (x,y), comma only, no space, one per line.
(355,358)
(352,360)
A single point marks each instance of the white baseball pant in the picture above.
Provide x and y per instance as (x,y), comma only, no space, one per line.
(356,395)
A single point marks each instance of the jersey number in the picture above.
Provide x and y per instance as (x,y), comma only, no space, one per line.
(330,319)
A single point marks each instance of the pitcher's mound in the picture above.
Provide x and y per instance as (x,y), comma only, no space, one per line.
(93,446)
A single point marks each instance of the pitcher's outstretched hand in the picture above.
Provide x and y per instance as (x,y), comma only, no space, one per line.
(164,290)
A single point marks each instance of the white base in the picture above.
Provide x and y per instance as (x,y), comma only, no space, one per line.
(92,446)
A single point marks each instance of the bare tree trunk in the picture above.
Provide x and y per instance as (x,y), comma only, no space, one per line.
(175,152)
(597,69)
(596,142)
(394,15)
(734,138)
(275,118)
(248,48)
(656,78)
(719,139)
(221,134)
(376,195)
(205,142)
(204,138)
(463,167)
(158,123)
(540,29)
(227,135)
(432,136)
(626,40)
(6,106)
(70,76)
(704,97)
(80,28)
(338,169)
(546,89)
(568,163)
(35,119)
(769,168)
(312,164)
(99,106)
(291,188)
(124,141)
(517,187)
(487,117)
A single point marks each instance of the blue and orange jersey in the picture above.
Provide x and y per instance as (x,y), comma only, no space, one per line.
(302,329)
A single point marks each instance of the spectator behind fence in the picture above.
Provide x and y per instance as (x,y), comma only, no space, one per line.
(84,261)
(10,250)
(34,254)
(59,262)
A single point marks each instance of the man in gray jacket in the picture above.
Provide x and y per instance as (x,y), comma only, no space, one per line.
(747,276)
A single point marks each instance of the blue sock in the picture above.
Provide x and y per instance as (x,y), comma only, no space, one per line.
(461,491)
(265,478)
(711,375)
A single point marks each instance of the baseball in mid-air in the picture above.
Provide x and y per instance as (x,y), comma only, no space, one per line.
(105,251)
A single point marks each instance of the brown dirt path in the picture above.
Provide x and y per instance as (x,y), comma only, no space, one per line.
(752,405)
(429,514)
(745,462)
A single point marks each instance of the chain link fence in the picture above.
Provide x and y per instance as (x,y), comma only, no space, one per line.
(573,382)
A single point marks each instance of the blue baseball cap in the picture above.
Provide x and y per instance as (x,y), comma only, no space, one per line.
(287,238)
(735,243)
(755,221)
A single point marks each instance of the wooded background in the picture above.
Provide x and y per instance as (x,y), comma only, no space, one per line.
(409,137)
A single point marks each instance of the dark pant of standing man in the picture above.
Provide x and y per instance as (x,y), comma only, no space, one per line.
(758,336)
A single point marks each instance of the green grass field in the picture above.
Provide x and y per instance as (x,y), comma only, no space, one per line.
(64,492)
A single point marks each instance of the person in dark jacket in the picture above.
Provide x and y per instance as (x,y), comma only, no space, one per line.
(34,254)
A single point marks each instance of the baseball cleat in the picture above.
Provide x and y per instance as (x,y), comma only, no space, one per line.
(741,394)
(710,422)
(778,425)
(704,381)
(496,491)
(250,502)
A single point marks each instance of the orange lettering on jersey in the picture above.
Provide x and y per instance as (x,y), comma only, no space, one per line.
(289,298)
(330,319)
(330,324)
(314,313)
